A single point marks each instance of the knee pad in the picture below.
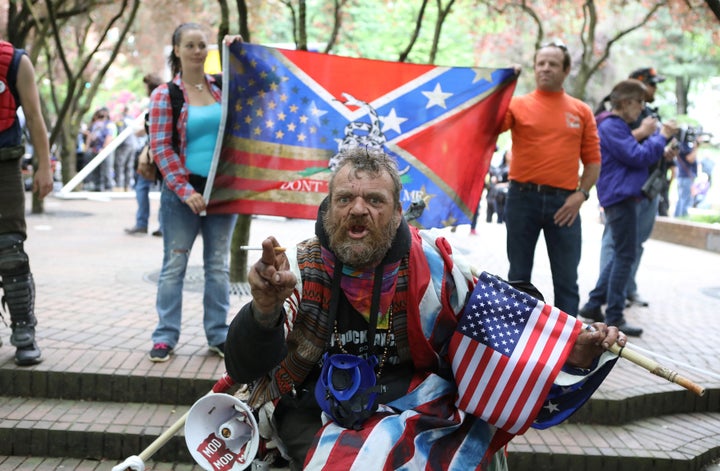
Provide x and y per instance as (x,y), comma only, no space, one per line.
(19,299)
(13,259)
(16,280)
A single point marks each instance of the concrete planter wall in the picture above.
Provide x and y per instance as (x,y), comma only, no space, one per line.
(691,234)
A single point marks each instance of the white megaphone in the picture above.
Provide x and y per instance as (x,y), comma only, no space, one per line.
(221,433)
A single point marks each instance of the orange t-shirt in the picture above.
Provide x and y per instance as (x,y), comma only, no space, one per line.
(551,133)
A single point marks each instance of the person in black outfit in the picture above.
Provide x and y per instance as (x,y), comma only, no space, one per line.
(16,279)
(497,189)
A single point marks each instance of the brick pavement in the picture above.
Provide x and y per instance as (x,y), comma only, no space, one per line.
(95,303)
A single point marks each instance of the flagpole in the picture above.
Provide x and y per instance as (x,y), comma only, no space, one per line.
(655,368)
(221,131)
(641,360)
(673,361)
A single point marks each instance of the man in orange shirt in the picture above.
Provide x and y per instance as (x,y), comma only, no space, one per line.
(552,133)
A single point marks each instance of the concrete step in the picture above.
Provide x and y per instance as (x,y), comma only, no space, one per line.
(606,408)
(103,408)
(30,463)
(78,385)
(109,432)
(95,430)
(677,442)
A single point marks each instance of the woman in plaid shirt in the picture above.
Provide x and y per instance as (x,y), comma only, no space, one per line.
(184,156)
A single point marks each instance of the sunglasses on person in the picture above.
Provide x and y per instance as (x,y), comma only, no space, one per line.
(558,44)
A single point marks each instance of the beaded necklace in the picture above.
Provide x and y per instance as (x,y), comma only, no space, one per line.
(383,359)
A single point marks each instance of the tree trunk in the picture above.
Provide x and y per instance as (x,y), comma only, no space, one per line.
(682,85)
(239,258)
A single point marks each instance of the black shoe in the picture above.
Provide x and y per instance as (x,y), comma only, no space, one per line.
(136,230)
(593,314)
(157,233)
(635,299)
(629,330)
(28,355)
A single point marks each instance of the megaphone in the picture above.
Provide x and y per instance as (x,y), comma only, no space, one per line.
(221,433)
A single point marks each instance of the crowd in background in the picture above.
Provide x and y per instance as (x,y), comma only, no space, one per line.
(117,170)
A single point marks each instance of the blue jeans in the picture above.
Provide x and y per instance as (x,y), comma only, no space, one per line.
(685,199)
(611,285)
(142,196)
(646,212)
(180,229)
(526,214)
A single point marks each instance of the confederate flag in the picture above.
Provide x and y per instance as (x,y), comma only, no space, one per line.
(289,112)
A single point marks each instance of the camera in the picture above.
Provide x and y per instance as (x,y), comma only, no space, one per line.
(653,112)
(689,135)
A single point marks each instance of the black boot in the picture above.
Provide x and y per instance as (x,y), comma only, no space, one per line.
(20,301)
(23,337)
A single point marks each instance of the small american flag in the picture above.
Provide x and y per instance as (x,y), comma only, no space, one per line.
(506,352)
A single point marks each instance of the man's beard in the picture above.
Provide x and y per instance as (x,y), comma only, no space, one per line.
(366,252)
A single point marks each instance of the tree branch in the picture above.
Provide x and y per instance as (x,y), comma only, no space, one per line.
(418,24)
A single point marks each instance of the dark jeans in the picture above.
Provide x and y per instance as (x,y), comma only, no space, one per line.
(646,210)
(496,204)
(12,197)
(526,214)
(621,218)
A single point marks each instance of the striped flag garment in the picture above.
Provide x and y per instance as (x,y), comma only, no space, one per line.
(288,113)
(422,430)
(506,352)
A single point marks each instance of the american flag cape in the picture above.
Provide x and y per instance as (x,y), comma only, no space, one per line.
(426,430)
(289,112)
(422,430)
(506,352)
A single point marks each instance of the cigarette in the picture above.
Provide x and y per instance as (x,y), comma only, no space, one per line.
(250,247)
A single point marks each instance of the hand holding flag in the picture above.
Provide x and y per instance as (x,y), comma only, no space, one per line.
(506,351)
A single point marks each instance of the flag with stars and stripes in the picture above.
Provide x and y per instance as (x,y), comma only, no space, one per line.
(288,113)
(506,352)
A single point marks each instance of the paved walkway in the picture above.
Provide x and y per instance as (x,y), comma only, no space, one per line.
(96,294)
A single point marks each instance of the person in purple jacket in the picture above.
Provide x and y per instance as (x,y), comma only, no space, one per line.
(623,171)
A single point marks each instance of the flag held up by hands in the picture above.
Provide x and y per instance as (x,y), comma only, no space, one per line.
(288,113)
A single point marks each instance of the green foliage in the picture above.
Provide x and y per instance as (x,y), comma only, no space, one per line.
(495,33)
(705,218)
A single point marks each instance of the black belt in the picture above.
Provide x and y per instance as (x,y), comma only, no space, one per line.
(11,153)
(534,187)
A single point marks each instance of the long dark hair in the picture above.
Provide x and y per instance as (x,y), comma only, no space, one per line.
(173,59)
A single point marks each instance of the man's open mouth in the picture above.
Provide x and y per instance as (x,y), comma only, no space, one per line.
(357,230)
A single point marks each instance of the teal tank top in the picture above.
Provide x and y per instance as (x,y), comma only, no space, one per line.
(202,130)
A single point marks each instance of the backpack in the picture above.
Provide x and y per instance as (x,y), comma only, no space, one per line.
(146,163)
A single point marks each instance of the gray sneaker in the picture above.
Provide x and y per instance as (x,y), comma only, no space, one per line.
(219,349)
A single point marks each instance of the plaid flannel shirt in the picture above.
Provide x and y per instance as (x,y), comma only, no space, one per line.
(172,165)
